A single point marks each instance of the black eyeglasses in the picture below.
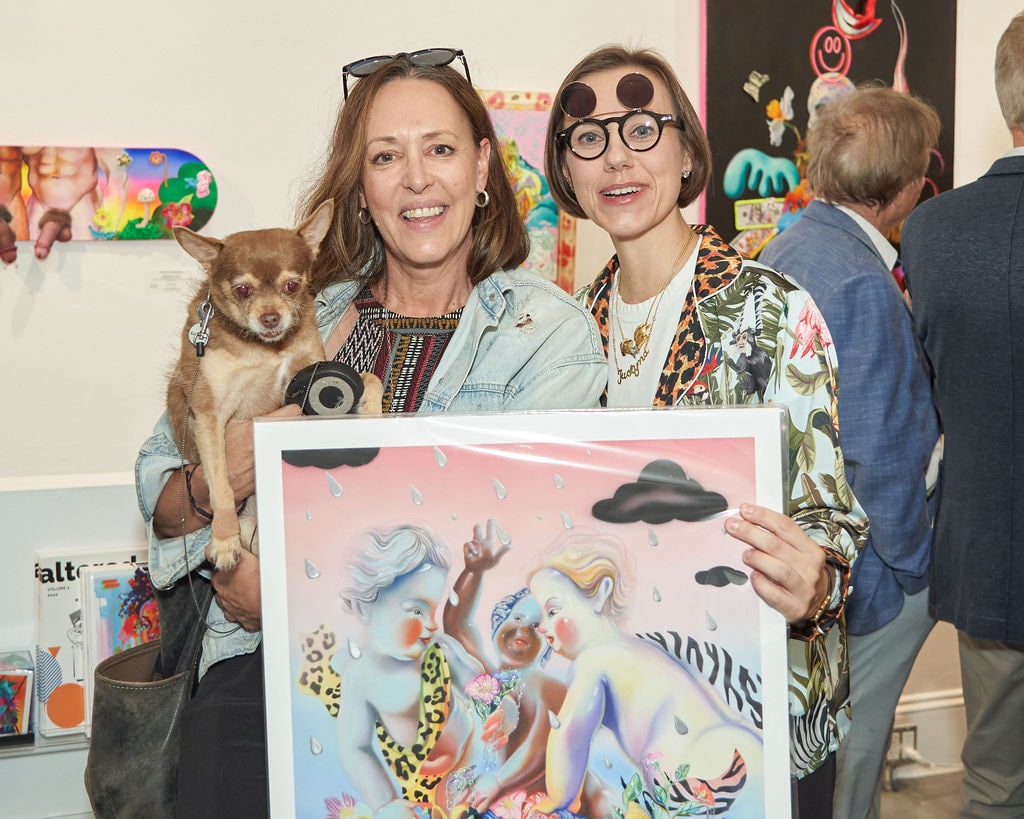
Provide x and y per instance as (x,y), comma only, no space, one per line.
(432,57)
(638,130)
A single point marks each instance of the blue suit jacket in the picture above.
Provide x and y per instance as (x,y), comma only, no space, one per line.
(887,421)
(963,253)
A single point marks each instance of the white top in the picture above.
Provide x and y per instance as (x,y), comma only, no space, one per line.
(644,369)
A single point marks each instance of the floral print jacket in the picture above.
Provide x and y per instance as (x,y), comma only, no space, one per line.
(750,335)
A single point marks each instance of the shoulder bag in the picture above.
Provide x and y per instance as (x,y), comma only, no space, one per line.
(138,699)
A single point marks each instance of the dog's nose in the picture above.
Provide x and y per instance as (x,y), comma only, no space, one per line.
(270,320)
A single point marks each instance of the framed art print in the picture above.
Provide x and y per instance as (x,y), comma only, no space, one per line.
(526,614)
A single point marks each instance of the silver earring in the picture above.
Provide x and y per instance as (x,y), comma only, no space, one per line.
(364,216)
(483,199)
(686,174)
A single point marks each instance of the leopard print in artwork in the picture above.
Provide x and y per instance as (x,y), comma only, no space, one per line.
(689,355)
(435,699)
(316,677)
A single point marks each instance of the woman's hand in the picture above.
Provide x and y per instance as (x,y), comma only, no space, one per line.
(238,592)
(787,567)
(239,448)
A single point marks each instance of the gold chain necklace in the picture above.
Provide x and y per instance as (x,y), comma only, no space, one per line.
(638,346)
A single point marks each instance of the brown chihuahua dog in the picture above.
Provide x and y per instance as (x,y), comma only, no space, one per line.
(257,328)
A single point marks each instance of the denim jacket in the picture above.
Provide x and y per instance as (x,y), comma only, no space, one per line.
(758,338)
(522,343)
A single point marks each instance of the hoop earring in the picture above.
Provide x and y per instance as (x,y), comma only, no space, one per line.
(483,199)
(364,216)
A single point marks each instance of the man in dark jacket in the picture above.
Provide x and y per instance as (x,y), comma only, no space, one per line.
(963,254)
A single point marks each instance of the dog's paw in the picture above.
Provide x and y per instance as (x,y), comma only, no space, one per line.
(224,553)
(373,395)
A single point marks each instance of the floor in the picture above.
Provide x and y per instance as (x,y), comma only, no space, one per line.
(926,797)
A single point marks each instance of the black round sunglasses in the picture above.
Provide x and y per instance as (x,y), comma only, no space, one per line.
(432,57)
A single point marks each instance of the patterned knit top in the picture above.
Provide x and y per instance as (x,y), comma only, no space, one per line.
(402,351)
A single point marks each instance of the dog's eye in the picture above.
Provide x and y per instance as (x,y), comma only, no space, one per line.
(292,286)
(242,290)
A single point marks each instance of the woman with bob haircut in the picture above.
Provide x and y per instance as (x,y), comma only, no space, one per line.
(686,321)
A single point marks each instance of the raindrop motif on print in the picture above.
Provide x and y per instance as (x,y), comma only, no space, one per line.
(440,457)
(553,719)
(417,497)
(309,515)
(559,482)
(353,649)
(710,621)
(312,570)
(453,597)
(656,595)
(334,486)
(315,747)
(503,537)
(566,521)
(681,727)
(652,537)
(499,489)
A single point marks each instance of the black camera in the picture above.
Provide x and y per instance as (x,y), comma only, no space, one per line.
(326,388)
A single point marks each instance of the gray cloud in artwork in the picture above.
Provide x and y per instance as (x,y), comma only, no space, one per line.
(719,576)
(329,458)
(661,493)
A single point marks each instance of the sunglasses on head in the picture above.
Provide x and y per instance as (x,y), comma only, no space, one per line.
(427,57)
(639,129)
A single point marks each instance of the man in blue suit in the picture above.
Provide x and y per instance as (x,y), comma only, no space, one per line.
(868,155)
(964,259)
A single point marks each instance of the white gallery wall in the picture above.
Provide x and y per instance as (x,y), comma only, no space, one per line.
(86,336)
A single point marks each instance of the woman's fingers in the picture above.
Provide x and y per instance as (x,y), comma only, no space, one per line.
(787,566)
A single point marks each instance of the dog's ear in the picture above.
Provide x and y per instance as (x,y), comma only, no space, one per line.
(204,250)
(315,227)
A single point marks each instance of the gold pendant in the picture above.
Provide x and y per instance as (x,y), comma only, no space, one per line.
(633,346)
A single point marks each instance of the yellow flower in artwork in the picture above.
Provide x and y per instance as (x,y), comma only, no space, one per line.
(635,811)
(778,114)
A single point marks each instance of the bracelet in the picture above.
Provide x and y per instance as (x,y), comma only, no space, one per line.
(815,618)
(191,500)
(827,614)
(199,509)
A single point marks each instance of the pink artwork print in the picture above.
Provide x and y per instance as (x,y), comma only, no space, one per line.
(519,614)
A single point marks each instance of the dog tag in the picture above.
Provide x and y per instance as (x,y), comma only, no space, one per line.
(197,335)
